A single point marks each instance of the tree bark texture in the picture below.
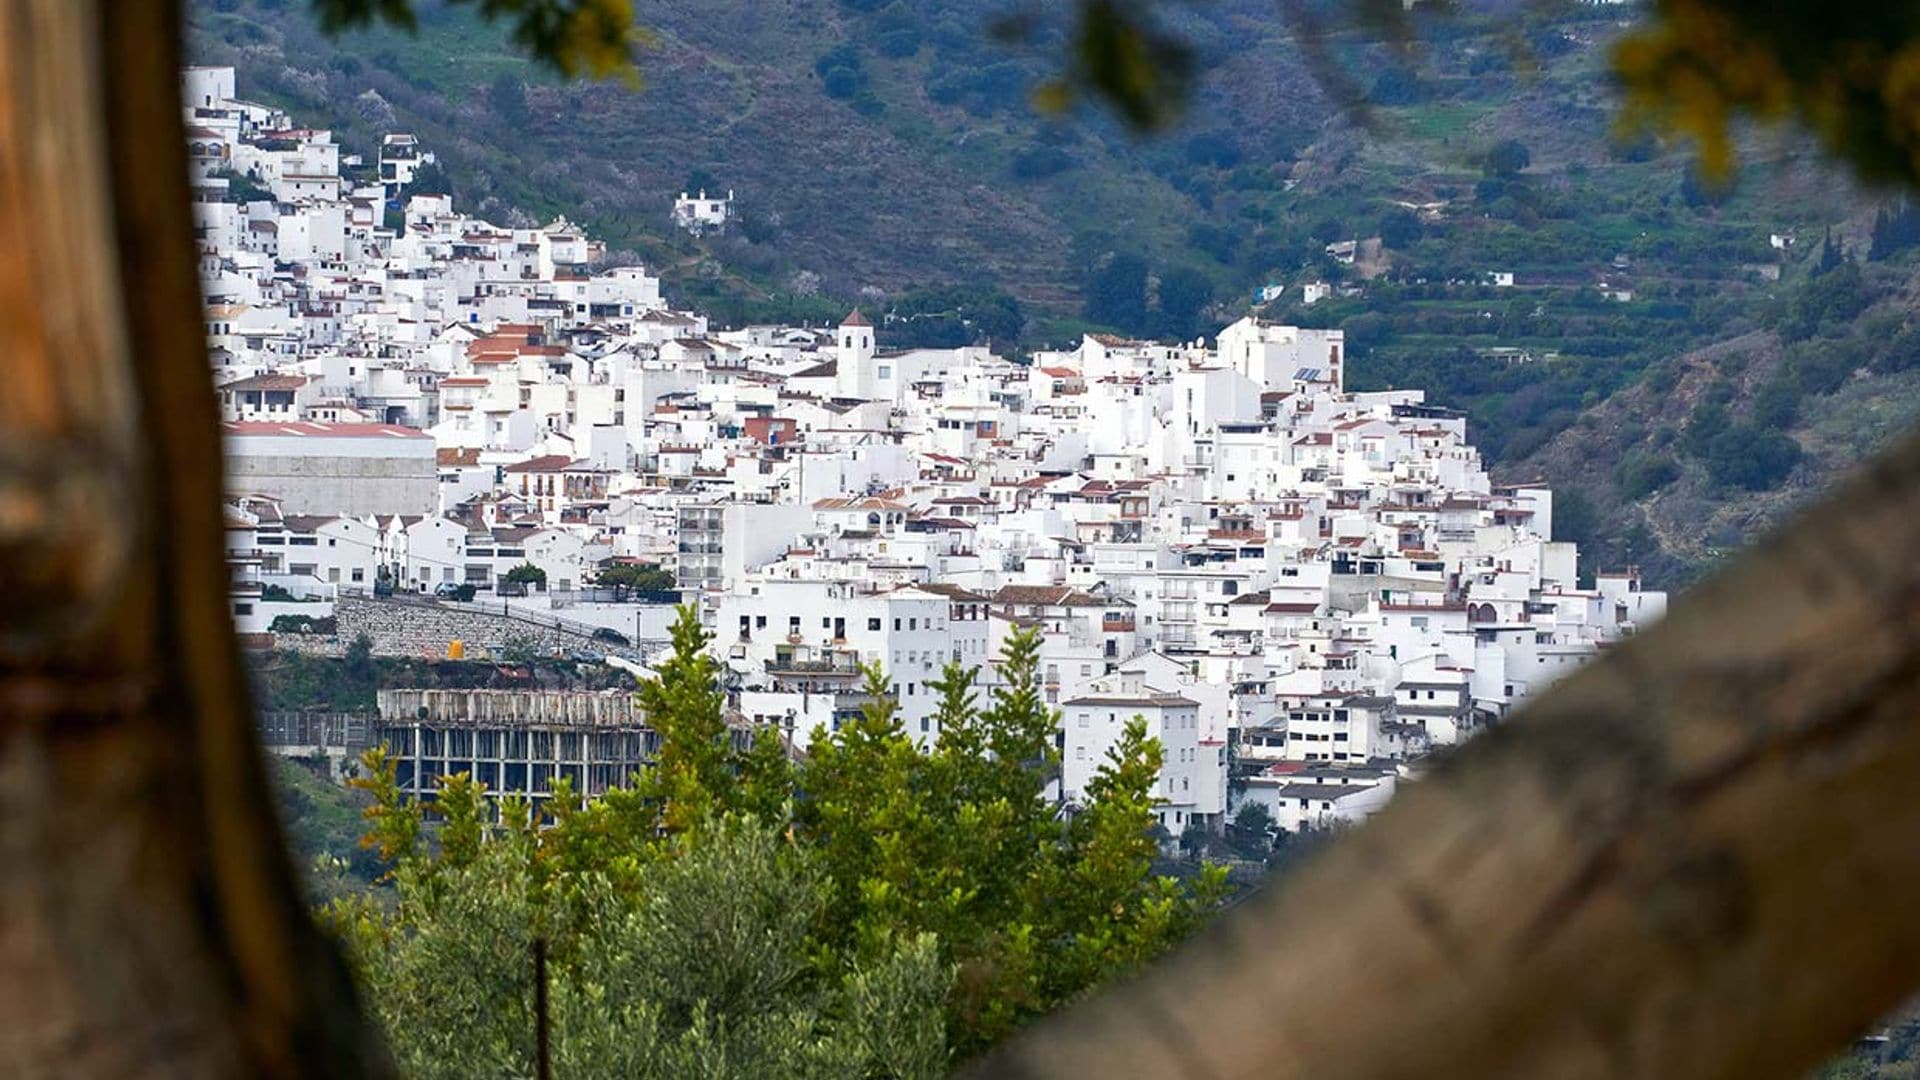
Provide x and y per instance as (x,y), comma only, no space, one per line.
(1699,857)
(150,923)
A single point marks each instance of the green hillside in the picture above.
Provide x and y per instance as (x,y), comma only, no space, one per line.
(887,152)
(894,144)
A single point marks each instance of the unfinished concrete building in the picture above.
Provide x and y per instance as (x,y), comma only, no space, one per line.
(516,742)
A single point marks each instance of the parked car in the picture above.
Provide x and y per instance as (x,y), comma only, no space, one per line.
(453,590)
(608,633)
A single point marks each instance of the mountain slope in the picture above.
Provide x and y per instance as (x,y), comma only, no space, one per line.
(883,147)
(887,187)
(1715,447)
(930,164)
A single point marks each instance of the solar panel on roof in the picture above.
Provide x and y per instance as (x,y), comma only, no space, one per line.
(1306,374)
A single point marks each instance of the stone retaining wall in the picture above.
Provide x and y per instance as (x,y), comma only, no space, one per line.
(422,629)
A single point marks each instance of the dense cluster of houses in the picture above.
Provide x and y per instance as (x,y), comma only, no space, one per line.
(1302,589)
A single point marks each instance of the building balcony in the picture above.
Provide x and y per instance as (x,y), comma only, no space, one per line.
(836,664)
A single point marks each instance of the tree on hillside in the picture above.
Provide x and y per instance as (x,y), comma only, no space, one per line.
(430,179)
(1397,86)
(1506,160)
(1182,295)
(1833,255)
(507,97)
(1750,457)
(1116,292)
(1399,228)
(1894,230)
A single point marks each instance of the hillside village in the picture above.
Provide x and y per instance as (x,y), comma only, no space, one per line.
(1303,590)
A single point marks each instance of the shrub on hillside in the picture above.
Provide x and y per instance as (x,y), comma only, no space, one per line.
(1751,458)
(1641,474)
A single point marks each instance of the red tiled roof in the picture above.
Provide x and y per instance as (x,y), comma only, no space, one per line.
(544,463)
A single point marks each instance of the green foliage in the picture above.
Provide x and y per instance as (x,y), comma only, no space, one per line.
(1896,1056)
(1896,352)
(525,574)
(393,821)
(359,657)
(1253,819)
(507,97)
(573,37)
(946,317)
(898,44)
(1122,56)
(1832,255)
(842,75)
(323,823)
(1827,299)
(1777,403)
(1041,162)
(960,842)
(1397,86)
(1182,295)
(704,967)
(1699,191)
(1641,474)
(1695,65)
(430,179)
(242,188)
(1099,891)
(640,577)
(1894,231)
(1507,159)
(1708,422)
(878,910)
(1213,149)
(1399,228)
(1116,291)
(692,778)
(1752,458)
(302,624)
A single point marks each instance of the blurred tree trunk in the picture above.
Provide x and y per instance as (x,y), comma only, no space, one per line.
(149,920)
